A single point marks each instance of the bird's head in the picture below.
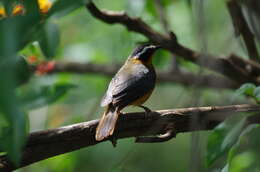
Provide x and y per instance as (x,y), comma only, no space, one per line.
(144,53)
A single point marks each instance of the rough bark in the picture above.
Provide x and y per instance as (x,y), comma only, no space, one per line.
(154,127)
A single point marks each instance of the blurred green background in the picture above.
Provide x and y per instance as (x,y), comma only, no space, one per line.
(85,39)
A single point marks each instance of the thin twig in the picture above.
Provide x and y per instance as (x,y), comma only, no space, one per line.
(223,65)
(181,77)
(241,27)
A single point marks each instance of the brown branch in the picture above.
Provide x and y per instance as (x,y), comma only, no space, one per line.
(223,65)
(241,27)
(132,24)
(181,77)
(48,143)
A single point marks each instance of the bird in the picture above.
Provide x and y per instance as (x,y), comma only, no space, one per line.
(132,85)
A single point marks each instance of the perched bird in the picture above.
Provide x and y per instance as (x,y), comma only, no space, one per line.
(132,85)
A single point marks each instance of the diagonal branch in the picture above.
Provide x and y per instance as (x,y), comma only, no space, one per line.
(223,65)
(241,27)
(48,143)
(181,77)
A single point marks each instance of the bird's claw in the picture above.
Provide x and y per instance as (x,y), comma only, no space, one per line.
(155,139)
(113,140)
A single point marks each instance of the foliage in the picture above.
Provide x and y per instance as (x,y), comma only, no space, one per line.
(250,90)
(223,137)
(22,23)
(234,139)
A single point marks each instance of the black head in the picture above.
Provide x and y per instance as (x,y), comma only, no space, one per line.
(144,52)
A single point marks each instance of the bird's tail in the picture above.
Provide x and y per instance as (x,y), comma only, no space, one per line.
(107,123)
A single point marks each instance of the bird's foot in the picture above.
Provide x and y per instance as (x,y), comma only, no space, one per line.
(147,110)
(113,140)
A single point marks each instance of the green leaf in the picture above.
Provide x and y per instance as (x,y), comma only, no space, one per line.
(49,40)
(22,71)
(8,5)
(244,155)
(32,8)
(62,7)
(4,124)
(13,135)
(151,8)
(21,28)
(257,93)
(15,131)
(222,138)
(45,95)
(246,89)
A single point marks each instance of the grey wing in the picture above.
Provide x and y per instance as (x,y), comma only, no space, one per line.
(124,89)
(108,97)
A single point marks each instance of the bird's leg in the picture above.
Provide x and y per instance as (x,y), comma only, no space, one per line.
(147,110)
(113,140)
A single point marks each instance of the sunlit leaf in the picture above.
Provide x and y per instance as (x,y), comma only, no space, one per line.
(246,89)
(13,132)
(257,93)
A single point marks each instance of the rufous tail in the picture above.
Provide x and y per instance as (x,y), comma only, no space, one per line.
(107,123)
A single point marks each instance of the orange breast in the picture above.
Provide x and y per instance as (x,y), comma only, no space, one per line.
(142,99)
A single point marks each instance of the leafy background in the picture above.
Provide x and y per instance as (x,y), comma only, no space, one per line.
(68,33)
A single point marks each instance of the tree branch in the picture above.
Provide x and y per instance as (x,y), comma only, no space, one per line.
(181,77)
(241,27)
(48,143)
(223,65)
